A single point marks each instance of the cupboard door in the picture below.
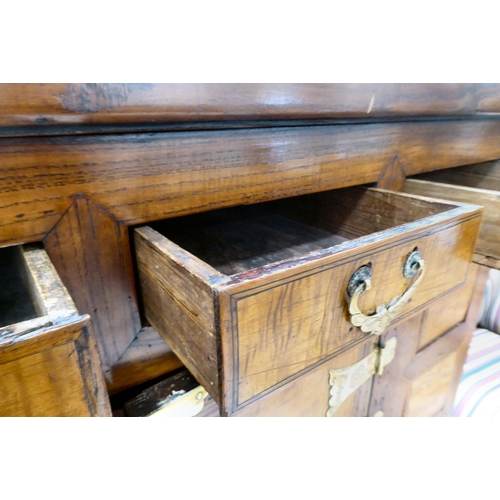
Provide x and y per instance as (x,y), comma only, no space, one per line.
(422,381)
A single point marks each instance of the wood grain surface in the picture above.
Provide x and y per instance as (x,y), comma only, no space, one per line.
(488,244)
(49,366)
(308,395)
(146,358)
(91,251)
(280,319)
(423,378)
(140,178)
(111,103)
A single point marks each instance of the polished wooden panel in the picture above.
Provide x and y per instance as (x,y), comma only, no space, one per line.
(145,177)
(109,103)
(423,383)
(49,365)
(450,310)
(146,358)
(308,395)
(441,363)
(286,326)
(422,380)
(277,320)
(429,391)
(90,250)
(488,244)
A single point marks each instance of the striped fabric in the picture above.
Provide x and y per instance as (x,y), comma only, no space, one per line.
(490,316)
(478,394)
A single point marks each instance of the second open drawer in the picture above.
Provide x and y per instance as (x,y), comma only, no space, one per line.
(251,297)
(469,184)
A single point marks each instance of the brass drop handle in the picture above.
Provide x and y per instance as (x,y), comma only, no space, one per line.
(361,282)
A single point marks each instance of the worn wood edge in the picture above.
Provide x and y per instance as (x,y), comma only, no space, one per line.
(25,327)
(112,103)
(430,199)
(140,364)
(19,346)
(94,385)
(372,242)
(187,261)
(175,315)
(161,394)
(486,260)
(48,288)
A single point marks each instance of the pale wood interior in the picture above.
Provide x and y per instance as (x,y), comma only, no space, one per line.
(481,175)
(239,239)
(15,302)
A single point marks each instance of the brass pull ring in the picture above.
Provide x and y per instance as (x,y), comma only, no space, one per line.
(361,282)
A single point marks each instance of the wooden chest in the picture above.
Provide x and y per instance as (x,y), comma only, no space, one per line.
(258,298)
(260,229)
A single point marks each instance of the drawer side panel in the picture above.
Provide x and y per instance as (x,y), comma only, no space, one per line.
(180,306)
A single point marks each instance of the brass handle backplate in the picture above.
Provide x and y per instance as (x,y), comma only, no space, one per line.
(361,282)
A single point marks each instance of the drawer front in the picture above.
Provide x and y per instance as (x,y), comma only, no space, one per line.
(296,320)
(245,335)
(49,365)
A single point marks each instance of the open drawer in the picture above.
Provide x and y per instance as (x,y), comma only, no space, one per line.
(469,184)
(49,364)
(251,297)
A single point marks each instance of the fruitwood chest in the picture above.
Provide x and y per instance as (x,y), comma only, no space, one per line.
(281,253)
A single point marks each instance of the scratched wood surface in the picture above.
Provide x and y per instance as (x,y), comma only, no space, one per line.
(277,320)
(91,251)
(477,183)
(146,177)
(111,103)
(421,381)
(49,368)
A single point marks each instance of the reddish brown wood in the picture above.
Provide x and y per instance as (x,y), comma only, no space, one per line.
(153,176)
(91,252)
(393,176)
(111,103)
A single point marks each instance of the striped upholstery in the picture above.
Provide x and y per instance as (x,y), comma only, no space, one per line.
(478,394)
(490,316)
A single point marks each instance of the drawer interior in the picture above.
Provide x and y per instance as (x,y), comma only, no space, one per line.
(15,301)
(236,240)
(479,184)
(481,176)
(32,295)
